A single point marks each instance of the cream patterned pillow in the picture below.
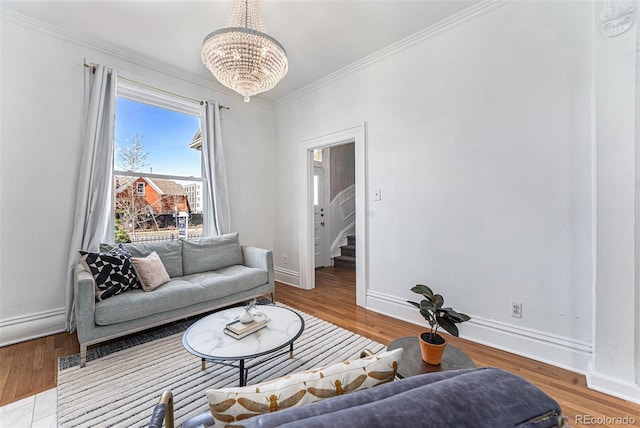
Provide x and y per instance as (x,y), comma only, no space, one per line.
(232,405)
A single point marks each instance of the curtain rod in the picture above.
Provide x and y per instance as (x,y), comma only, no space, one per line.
(93,70)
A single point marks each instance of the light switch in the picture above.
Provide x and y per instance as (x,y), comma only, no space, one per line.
(377,195)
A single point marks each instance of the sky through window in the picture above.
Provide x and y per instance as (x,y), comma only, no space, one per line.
(166,135)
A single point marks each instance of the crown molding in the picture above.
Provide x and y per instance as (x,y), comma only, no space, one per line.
(439,27)
(122,54)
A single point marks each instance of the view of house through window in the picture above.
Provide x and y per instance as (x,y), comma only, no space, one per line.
(158,183)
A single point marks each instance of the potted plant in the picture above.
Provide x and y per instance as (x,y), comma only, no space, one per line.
(431,308)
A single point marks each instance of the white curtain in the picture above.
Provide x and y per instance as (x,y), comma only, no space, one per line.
(217,217)
(93,221)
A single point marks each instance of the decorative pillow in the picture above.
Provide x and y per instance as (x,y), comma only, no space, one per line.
(208,254)
(119,250)
(150,270)
(113,273)
(230,405)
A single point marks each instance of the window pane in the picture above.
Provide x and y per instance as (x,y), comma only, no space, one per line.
(158,193)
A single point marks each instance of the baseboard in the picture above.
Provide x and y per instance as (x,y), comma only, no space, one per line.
(613,386)
(32,326)
(541,346)
(286,276)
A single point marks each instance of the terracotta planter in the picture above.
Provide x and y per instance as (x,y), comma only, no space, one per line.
(431,354)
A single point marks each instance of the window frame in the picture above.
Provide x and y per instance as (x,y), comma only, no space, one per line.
(141,93)
(140,185)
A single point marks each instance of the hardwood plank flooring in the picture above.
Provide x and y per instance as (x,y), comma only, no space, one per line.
(30,367)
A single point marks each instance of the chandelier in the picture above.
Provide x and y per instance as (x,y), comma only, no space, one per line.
(241,55)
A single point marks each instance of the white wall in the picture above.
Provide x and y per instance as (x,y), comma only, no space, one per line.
(616,362)
(480,140)
(42,96)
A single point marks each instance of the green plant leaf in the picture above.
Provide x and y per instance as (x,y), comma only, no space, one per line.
(428,306)
(456,316)
(416,304)
(424,290)
(439,300)
(448,325)
(429,317)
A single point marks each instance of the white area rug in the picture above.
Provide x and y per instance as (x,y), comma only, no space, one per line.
(121,389)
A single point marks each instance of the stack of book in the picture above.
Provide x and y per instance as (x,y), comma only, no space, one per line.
(238,330)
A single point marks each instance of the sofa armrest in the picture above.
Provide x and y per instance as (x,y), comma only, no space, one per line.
(262,259)
(85,302)
(257,258)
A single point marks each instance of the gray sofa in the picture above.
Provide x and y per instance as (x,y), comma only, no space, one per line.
(474,398)
(206,274)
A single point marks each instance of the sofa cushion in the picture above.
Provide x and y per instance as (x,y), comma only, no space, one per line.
(230,405)
(112,272)
(209,254)
(483,397)
(170,253)
(150,270)
(179,293)
(227,281)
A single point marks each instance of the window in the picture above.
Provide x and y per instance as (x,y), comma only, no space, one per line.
(157,171)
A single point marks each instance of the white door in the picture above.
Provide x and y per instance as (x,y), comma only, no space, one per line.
(319,214)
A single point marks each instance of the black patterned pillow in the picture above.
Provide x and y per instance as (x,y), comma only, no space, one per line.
(113,273)
(119,250)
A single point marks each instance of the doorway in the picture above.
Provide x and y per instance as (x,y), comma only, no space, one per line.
(307,218)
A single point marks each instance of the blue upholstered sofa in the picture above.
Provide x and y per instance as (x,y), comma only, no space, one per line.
(204,275)
(474,398)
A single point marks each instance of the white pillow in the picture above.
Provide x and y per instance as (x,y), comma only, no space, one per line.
(228,405)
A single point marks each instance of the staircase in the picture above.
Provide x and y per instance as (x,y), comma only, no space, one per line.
(347,257)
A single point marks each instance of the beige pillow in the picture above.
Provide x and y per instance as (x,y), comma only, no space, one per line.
(150,270)
(229,405)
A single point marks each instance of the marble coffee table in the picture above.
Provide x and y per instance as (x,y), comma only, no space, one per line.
(206,339)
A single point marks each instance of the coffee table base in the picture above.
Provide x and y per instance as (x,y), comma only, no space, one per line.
(244,370)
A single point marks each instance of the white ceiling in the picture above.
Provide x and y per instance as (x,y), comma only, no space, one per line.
(320,36)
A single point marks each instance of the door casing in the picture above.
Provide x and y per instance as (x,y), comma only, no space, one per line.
(356,135)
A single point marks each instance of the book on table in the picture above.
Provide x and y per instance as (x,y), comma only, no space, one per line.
(246,333)
(236,327)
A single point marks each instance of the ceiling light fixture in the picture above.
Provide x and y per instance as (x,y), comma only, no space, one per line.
(241,55)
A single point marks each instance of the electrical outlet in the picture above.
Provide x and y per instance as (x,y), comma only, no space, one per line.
(516,310)
(285,259)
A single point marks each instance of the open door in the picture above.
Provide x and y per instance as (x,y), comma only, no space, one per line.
(320,227)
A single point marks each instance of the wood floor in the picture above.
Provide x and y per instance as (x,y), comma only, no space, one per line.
(30,367)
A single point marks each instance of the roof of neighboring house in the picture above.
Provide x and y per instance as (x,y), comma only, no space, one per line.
(167,187)
(123,182)
(161,185)
(196,141)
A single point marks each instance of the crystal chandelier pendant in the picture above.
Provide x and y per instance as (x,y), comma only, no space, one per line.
(242,56)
